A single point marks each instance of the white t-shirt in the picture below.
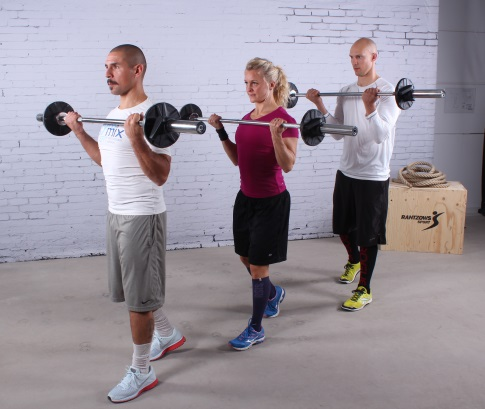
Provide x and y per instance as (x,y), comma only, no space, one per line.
(367,155)
(130,191)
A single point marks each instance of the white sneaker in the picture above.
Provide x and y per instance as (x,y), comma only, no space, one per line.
(162,345)
(133,385)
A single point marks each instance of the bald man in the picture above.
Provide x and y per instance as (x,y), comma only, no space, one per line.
(360,198)
(135,173)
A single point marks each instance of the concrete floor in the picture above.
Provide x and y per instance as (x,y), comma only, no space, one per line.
(420,344)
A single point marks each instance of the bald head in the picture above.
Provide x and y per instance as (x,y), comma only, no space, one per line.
(132,55)
(363,56)
(366,44)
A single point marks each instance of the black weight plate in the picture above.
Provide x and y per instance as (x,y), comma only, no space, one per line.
(187,110)
(292,99)
(310,127)
(50,118)
(404,101)
(157,118)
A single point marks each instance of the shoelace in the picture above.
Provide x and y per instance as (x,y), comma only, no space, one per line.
(125,382)
(357,295)
(244,334)
(347,267)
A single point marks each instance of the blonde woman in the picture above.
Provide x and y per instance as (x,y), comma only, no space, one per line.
(262,206)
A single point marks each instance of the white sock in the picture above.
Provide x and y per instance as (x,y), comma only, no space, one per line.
(141,357)
(162,325)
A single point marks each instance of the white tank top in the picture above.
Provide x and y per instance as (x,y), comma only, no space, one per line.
(130,191)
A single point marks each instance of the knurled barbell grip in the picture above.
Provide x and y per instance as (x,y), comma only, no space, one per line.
(62,115)
(245,122)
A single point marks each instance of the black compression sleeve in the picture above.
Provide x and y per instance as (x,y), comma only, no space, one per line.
(223,136)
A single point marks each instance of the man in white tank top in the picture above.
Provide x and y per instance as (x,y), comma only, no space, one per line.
(135,172)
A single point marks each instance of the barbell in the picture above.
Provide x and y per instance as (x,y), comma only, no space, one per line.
(162,124)
(404,94)
(312,127)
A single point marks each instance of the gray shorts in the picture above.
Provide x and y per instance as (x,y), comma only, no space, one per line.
(135,249)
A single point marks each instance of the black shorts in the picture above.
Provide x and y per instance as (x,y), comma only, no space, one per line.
(260,228)
(361,205)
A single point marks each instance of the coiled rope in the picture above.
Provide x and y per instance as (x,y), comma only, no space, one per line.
(421,174)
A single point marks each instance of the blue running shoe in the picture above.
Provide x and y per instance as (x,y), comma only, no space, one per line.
(248,338)
(273,308)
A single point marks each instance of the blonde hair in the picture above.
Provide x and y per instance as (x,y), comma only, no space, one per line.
(272,73)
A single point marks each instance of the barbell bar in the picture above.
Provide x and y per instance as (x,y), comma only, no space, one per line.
(404,94)
(312,127)
(162,124)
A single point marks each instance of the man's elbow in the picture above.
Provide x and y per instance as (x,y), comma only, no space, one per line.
(160,181)
(160,176)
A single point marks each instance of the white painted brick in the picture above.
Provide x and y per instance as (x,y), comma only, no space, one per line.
(64,191)
(338,13)
(425,36)
(17,215)
(370,13)
(353,13)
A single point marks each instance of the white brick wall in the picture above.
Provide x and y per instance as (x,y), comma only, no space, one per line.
(52,197)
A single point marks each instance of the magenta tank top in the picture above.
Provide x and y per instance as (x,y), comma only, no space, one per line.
(261,176)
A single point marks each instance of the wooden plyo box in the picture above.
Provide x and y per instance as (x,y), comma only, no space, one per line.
(429,220)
